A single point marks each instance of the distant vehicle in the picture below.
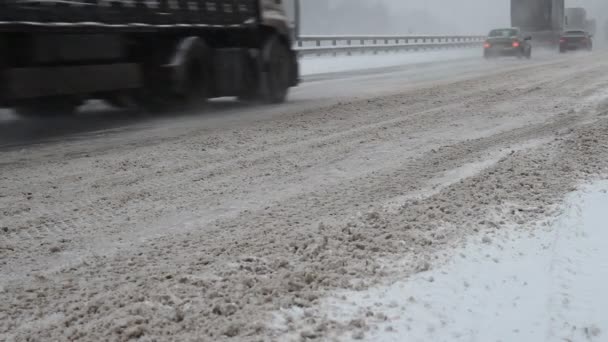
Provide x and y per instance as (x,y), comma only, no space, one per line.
(576,18)
(507,42)
(543,20)
(575,40)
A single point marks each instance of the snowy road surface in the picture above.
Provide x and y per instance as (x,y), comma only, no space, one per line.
(313,65)
(240,224)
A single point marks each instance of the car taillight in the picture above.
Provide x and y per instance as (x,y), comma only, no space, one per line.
(562,40)
(515,44)
(487,45)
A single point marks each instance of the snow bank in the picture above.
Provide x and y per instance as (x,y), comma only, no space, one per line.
(545,286)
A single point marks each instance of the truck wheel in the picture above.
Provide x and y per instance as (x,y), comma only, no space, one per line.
(190,74)
(176,79)
(276,72)
(51,108)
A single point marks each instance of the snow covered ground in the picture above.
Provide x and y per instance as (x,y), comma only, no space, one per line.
(548,285)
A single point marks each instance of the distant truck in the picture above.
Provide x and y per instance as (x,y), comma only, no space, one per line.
(543,20)
(577,19)
(158,54)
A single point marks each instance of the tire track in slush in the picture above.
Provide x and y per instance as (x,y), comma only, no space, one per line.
(131,211)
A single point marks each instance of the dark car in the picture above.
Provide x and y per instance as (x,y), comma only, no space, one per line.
(507,42)
(575,40)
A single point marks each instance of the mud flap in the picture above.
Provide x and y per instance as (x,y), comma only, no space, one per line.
(188,69)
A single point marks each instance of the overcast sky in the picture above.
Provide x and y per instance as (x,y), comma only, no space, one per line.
(465,16)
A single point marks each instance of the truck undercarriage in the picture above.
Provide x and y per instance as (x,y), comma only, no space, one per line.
(154,54)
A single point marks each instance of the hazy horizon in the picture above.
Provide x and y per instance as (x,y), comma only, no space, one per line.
(416,16)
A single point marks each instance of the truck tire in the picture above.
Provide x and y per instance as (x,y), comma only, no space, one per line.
(276,71)
(176,79)
(190,74)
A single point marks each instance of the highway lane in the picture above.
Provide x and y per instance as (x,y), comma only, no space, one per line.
(356,79)
(199,222)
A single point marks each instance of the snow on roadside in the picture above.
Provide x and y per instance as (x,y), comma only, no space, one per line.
(548,285)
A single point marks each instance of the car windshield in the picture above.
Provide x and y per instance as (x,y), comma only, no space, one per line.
(505,33)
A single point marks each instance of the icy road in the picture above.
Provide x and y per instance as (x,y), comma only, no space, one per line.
(245,222)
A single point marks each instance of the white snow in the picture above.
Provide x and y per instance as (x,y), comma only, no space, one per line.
(550,285)
(341,63)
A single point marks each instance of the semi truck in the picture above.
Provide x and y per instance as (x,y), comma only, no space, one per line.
(156,54)
(543,20)
(576,18)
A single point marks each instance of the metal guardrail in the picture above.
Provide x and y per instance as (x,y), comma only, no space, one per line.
(322,45)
